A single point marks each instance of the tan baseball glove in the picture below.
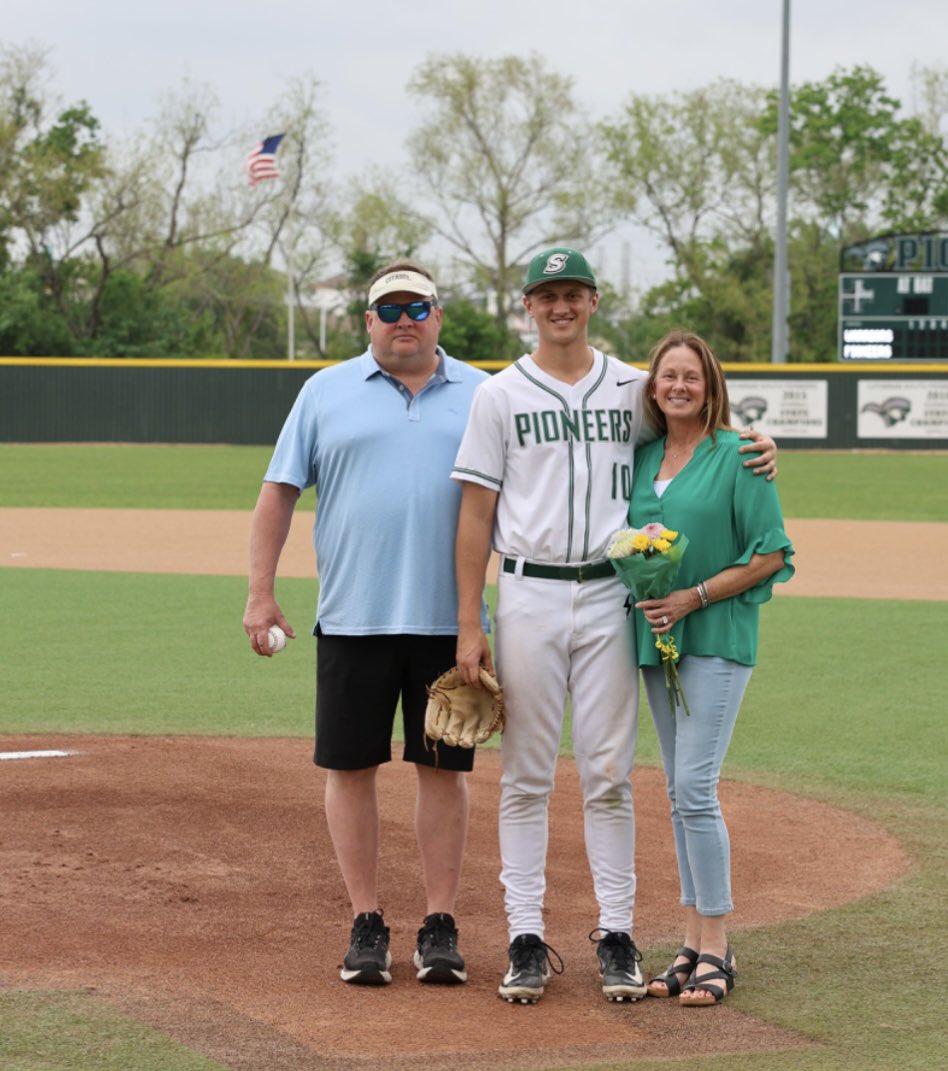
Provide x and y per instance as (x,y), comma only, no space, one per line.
(462,715)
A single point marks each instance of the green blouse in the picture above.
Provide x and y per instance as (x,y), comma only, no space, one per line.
(728,515)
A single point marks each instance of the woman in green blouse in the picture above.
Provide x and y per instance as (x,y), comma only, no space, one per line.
(692,480)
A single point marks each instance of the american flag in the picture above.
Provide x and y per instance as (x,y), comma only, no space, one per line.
(261,163)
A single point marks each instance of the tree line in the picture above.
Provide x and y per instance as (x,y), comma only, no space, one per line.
(156,246)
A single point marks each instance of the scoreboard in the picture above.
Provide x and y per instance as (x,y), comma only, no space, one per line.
(893,316)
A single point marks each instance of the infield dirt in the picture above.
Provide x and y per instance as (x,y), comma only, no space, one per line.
(191,883)
(833,558)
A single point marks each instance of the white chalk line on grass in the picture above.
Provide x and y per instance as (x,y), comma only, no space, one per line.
(7,755)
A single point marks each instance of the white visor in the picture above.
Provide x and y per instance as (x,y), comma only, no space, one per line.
(412,282)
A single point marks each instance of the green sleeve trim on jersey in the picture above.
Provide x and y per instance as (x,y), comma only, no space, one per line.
(479,475)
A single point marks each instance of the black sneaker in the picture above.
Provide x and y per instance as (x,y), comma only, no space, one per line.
(368,959)
(529,970)
(619,965)
(437,957)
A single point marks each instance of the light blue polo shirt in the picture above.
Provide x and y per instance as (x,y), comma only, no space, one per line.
(386,515)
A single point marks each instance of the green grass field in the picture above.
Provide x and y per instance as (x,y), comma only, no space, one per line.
(896,486)
(846,706)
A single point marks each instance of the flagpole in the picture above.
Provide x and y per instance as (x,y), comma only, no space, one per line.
(780,332)
(291,309)
(262,165)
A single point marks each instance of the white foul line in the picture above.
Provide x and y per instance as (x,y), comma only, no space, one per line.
(4,755)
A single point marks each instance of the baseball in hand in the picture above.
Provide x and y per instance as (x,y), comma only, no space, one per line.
(277,638)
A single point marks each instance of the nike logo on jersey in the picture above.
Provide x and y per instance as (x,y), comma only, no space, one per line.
(622,382)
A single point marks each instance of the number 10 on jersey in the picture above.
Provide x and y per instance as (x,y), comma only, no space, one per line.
(622,482)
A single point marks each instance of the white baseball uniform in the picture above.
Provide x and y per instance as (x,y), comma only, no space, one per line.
(560,457)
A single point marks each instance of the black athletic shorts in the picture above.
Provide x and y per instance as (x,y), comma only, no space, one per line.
(359,680)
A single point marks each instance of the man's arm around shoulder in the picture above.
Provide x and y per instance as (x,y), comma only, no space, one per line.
(764,449)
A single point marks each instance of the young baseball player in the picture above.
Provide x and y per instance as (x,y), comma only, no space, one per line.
(546,467)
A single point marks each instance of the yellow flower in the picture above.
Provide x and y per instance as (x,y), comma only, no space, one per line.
(640,542)
(669,535)
(661,545)
(666,644)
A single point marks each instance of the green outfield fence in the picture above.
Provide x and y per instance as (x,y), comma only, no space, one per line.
(852,406)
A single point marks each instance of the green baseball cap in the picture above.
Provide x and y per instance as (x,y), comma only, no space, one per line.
(558,263)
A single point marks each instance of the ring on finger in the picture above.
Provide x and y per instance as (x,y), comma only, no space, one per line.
(664,619)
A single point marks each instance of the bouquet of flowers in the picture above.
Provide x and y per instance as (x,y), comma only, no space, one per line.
(647,560)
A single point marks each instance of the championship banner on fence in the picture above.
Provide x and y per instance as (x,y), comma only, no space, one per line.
(902,409)
(780,408)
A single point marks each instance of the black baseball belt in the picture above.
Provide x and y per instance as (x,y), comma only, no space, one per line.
(583,572)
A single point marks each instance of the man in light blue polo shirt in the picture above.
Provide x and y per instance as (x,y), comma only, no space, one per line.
(377,436)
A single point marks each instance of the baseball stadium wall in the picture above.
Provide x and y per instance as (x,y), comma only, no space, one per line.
(818,406)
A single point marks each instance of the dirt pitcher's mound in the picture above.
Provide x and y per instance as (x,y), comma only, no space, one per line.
(192,883)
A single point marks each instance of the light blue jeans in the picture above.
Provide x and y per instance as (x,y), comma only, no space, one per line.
(693,749)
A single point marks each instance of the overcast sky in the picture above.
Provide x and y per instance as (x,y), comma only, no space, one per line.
(121,56)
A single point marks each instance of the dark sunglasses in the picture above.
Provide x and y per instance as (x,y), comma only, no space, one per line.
(391,314)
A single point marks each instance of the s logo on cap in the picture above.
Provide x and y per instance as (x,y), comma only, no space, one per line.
(555,263)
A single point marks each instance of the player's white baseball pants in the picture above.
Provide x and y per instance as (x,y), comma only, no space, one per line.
(554,637)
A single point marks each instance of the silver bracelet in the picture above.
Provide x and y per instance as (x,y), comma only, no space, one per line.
(703,594)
